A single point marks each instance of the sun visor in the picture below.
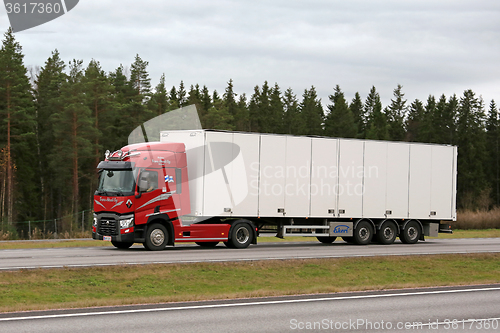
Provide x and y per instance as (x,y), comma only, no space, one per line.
(116,165)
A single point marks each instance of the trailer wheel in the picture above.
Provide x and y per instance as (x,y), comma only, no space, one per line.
(207,244)
(241,236)
(387,233)
(326,240)
(411,233)
(156,237)
(121,245)
(363,233)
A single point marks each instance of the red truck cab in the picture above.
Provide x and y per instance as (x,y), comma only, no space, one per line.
(143,191)
(137,184)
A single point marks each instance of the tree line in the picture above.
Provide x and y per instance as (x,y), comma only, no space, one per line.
(57,120)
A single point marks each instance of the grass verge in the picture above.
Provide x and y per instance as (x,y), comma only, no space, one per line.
(7,245)
(105,286)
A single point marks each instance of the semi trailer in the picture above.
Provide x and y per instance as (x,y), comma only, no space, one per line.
(210,186)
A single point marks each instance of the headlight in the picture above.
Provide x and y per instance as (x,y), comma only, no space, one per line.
(126,223)
(95,222)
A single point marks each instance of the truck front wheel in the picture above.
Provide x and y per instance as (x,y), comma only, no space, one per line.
(241,236)
(121,245)
(363,233)
(156,237)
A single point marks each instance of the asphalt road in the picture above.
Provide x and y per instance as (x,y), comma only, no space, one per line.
(95,256)
(465,309)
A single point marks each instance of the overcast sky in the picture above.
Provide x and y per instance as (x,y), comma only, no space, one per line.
(429,47)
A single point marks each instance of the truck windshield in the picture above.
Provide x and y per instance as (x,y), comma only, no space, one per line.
(116,182)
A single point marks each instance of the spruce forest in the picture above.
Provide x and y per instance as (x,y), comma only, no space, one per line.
(57,121)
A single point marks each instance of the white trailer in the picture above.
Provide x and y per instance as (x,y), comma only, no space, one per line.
(319,186)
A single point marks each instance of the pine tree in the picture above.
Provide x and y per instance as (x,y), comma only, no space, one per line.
(339,122)
(181,95)
(253,110)
(396,114)
(205,105)
(47,94)
(159,103)
(376,127)
(174,99)
(413,122)
(450,115)
(311,113)
(99,92)
(291,114)
(472,150)
(241,119)
(139,78)
(135,112)
(73,132)
(442,122)
(275,116)
(358,113)
(264,109)
(194,98)
(218,116)
(230,98)
(124,99)
(493,152)
(17,138)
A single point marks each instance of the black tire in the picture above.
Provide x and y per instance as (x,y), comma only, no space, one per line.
(411,233)
(207,244)
(121,245)
(348,239)
(387,233)
(241,236)
(326,240)
(229,245)
(363,233)
(156,237)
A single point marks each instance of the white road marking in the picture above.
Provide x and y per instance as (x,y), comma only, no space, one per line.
(227,305)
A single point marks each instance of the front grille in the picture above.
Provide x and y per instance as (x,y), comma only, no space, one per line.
(108,227)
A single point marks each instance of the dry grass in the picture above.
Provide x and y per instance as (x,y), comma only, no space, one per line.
(467,220)
(106,286)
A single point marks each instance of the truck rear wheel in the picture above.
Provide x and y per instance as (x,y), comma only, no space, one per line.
(156,237)
(387,233)
(207,244)
(326,240)
(241,236)
(411,233)
(121,245)
(363,233)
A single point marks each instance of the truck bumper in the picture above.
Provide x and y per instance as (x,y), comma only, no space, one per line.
(125,238)
(445,228)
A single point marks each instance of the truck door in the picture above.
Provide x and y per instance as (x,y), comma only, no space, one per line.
(157,192)
(149,194)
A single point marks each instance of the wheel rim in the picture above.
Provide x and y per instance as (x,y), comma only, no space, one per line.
(388,233)
(242,235)
(157,237)
(364,233)
(412,233)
